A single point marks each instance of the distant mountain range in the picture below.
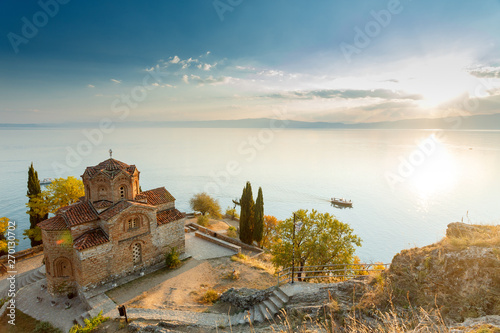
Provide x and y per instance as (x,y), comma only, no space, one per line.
(478,122)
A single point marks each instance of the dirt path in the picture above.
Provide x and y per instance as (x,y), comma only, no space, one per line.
(140,286)
(184,290)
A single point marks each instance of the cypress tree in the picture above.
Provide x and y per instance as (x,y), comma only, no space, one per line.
(247,215)
(259,218)
(34,191)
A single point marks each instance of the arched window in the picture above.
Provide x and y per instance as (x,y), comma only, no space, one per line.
(133,223)
(123,192)
(62,267)
(136,253)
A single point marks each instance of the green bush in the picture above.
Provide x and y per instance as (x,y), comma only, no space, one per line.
(210,296)
(172,258)
(203,220)
(231,213)
(231,232)
(90,324)
(46,327)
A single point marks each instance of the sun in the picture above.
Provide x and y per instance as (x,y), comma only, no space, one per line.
(437,80)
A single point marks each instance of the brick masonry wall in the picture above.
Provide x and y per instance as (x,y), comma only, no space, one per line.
(58,247)
(170,235)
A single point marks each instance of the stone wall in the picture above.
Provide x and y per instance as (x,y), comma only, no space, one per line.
(170,235)
(244,298)
(59,261)
(101,187)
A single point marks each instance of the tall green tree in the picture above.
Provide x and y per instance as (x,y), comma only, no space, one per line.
(247,215)
(320,240)
(258,228)
(33,193)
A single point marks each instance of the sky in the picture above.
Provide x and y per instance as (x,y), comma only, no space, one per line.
(336,61)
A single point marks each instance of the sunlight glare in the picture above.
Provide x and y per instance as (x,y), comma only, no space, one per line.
(438,173)
(438,80)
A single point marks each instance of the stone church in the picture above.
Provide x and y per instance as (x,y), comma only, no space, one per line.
(114,230)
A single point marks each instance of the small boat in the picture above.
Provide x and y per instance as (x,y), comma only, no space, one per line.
(341,202)
(46,181)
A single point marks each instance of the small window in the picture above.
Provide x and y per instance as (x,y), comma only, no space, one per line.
(133,223)
(122,192)
(62,267)
(136,253)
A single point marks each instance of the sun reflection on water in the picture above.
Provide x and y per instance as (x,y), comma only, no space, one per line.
(438,174)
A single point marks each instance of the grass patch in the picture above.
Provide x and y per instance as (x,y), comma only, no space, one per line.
(481,236)
(263,264)
(210,297)
(46,327)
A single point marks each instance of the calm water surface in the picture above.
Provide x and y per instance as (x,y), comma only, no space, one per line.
(403,195)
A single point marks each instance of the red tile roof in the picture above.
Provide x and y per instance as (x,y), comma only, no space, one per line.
(121,206)
(110,167)
(102,204)
(55,223)
(90,238)
(78,213)
(115,209)
(140,197)
(167,216)
(158,196)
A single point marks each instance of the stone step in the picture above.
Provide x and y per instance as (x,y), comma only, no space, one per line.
(266,313)
(30,279)
(40,274)
(257,316)
(276,301)
(281,294)
(245,317)
(273,309)
(238,318)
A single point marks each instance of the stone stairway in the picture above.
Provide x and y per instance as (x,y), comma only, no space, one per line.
(24,279)
(262,311)
(97,304)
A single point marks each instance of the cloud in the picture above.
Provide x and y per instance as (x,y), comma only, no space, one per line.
(346,94)
(175,60)
(210,80)
(185,78)
(485,72)
(116,81)
(91,86)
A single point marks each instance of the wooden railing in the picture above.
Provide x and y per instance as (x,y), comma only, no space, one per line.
(338,272)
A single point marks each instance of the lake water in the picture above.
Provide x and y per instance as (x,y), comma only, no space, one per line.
(406,185)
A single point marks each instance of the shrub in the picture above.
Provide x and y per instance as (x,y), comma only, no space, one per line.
(238,257)
(231,232)
(46,327)
(210,296)
(231,213)
(172,258)
(90,324)
(233,275)
(203,220)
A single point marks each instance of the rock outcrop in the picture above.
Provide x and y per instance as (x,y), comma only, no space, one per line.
(459,275)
